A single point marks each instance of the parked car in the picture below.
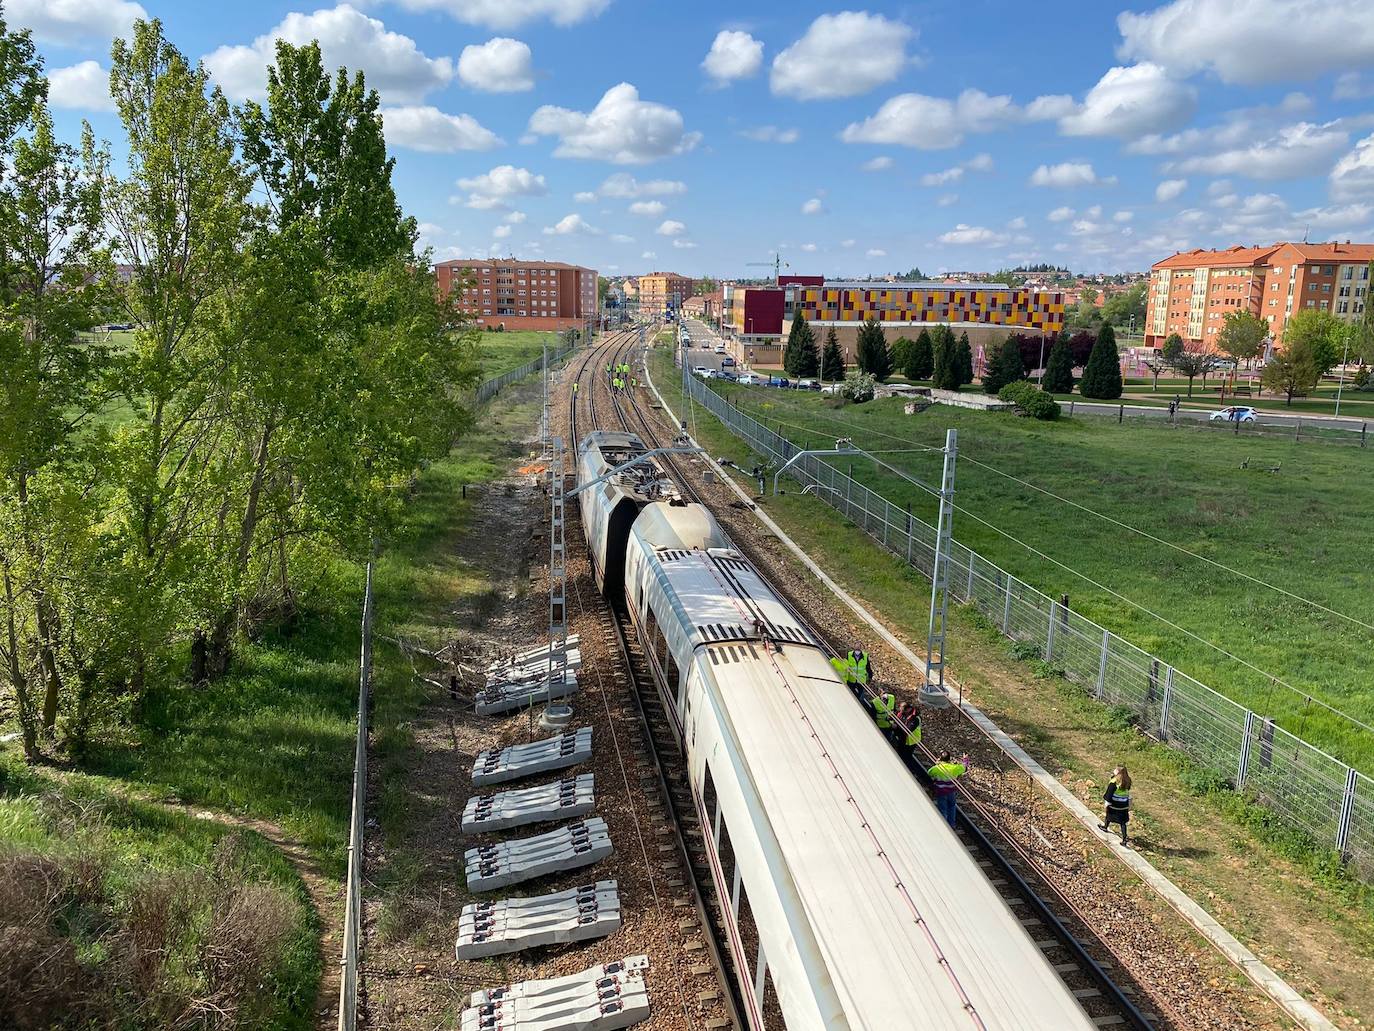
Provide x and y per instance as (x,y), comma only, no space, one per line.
(779,381)
(720,348)
(727,360)
(726,374)
(750,380)
(701,370)
(1235,413)
(831,388)
(808,384)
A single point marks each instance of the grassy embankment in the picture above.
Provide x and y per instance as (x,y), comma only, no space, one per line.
(272,742)
(503,351)
(1286,898)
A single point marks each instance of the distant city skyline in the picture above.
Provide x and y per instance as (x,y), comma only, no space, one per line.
(700,138)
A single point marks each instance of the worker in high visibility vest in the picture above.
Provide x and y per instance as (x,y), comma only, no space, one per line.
(883,706)
(946,774)
(1118,800)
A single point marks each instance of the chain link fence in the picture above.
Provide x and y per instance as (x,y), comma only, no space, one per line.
(1298,429)
(488,389)
(1305,787)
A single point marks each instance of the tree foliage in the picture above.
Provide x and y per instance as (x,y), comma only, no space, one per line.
(1058,377)
(921,358)
(945,361)
(1191,361)
(1322,334)
(290,366)
(871,351)
(1004,366)
(1293,370)
(832,360)
(800,357)
(1102,374)
(1242,335)
(963,360)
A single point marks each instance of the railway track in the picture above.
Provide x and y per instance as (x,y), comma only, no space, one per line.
(1056,925)
(695,905)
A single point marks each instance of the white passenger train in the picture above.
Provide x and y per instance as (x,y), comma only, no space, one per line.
(850,902)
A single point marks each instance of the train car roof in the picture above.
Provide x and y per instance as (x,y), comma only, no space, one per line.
(870,862)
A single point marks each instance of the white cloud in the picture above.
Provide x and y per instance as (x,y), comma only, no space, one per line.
(502,231)
(500,65)
(670,227)
(814,206)
(84,87)
(875,252)
(966,234)
(1019,222)
(1169,189)
(622,184)
(1251,41)
(568,225)
(809,248)
(621,238)
(771,134)
(1060,214)
(649,255)
(683,245)
(1127,102)
(584,197)
(1219,187)
(933,123)
(394,65)
(509,14)
(514,217)
(979,163)
(72,23)
(652,208)
(733,55)
(841,55)
(433,131)
(1051,108)
(621,129)
(1293,152)
(1353,175)
(878,164)
(1352,86)
(949,175)
(492,189)
(947,200)
(1068,174)
(846,244)
(1123,216)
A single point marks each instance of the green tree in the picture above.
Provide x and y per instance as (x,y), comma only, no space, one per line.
(964,360)
(1242,335)
(1322,331)
(901,354)
(1126,307)
(832,359)
(1293,370)
(871,351)
(1058,377)
(800,351)
(921,361)
(1004,367)
(21,86)
(1362,341)
(945,363)
(1190,361)
(1102,374)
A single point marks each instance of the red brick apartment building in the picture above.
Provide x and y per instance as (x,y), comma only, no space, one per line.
(1192,292)
(547,295)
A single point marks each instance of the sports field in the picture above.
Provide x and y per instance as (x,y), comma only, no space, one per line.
(1304,529)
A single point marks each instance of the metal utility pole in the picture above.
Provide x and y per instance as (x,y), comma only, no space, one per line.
(544,419)
(1345,357)
(558,579)
(939,577)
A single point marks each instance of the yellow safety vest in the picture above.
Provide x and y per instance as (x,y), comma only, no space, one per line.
(883,705)
(913,737)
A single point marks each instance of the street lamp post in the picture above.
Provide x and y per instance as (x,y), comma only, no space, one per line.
(1040,371)
(1345,356)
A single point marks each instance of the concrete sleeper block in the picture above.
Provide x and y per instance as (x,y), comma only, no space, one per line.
(503,926)
(495,766)
(531,656)
(602,998)
(563,799)
(510,862)
(523,694)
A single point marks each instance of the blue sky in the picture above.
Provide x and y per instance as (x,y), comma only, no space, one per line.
(698,137)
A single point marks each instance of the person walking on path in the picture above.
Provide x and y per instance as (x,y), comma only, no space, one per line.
(1117,798)
(946,774)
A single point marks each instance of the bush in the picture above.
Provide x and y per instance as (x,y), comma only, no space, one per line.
(1029,400)
(859,387)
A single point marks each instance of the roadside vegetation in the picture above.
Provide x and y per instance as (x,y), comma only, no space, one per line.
(501,352)
(1210,494)
(185,509)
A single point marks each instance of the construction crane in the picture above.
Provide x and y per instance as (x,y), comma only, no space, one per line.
(777,264)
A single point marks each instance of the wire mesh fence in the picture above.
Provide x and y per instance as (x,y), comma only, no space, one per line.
(1295,428)
(1309,790)
(488,389)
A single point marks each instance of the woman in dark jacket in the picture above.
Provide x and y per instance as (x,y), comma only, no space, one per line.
(1118,801)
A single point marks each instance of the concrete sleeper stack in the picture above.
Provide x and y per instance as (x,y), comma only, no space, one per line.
(508,925)
(506,696)
(561,800)
(510,862)
(601,998)
(495,766)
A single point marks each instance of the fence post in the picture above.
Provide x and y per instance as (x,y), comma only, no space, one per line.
(1243,767)
(1102,664)
(849,492)
(1297,431)
(1164,706)
(865,522)
(1347,811)
(908,533)
(968,594)
(1071,404)
(1363,427)
(1049,635)
(1120,414)
(1006,610)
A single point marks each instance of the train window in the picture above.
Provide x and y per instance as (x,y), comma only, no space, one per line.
(708,797)
(748,937)
(725,851)
(768,1002)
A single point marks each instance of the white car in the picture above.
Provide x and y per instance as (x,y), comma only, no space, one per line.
(701,370)
(749,380)
(1235,413)
(720,349)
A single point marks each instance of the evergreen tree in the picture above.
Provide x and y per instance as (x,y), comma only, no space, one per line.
(872,353)
(1058,377)
(945,370)
(832,361)
(1102,375)
(808,356)
(1004,367)
(921,361)
(964,356)
(799,339)
(901,354)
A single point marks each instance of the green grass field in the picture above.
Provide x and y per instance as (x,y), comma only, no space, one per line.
(503,351)
(1305,529)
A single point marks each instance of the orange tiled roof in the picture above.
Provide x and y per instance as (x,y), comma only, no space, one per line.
(1211,259)
(1335,251)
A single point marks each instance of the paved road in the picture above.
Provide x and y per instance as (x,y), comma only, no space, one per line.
(1328,422)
